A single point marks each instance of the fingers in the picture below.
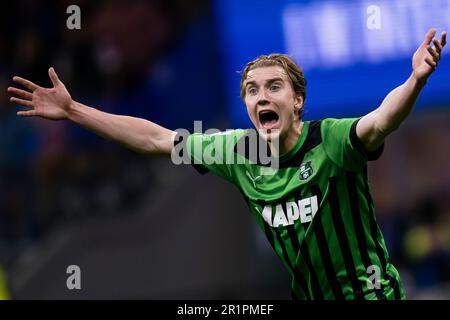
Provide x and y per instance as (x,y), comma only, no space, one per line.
(430,35)
(53,76)
(433,53)
(431,63)
(23,97)
(436,51)
(26,83)
(22,102)
(29,113)
(21,93)
(437,46)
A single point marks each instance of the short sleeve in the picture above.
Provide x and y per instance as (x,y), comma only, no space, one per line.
(343,145)
(210,152)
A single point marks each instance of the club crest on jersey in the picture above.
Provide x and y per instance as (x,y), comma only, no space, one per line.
(306,171)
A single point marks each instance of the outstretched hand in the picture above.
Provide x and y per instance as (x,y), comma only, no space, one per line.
(426,58)
(49,103)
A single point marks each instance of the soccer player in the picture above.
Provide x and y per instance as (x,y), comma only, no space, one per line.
(316,209)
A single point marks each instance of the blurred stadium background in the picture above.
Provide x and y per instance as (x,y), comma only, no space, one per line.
(143,228)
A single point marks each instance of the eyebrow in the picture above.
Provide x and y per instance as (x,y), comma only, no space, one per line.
(268,81)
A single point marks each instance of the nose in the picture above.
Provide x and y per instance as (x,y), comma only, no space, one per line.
(262,98)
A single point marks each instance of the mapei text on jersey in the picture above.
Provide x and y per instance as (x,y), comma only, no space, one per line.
(303,209)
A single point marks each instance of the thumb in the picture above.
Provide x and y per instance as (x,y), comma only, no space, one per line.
(53,76)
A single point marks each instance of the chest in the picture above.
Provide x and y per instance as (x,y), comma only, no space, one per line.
(289,180)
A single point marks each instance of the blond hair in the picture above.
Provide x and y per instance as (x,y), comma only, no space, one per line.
(294,72)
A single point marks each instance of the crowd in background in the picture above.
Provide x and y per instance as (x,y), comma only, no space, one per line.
(47,168)
(411,187)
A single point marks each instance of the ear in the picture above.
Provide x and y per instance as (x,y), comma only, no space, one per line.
(298,103)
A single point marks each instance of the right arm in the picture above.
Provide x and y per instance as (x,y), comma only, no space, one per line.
(56,104)
(134,133)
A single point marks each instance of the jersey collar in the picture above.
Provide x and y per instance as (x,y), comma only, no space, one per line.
(301,139)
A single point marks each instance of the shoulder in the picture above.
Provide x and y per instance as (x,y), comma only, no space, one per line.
(330,122)
(339,126)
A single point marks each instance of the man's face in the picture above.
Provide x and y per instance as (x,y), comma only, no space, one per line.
(271,101)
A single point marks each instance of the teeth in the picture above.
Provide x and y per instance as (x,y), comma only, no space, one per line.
(267,111)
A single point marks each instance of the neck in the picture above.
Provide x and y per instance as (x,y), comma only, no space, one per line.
(289,139)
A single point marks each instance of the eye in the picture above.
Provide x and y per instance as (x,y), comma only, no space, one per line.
(274,87)
(252,91)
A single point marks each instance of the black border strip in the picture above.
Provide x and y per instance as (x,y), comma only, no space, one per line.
(343,239)
(356,142)
(324,249)
(359,227)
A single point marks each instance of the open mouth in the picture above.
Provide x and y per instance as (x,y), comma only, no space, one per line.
(268,119)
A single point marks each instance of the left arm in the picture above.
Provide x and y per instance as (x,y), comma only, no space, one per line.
(375,126)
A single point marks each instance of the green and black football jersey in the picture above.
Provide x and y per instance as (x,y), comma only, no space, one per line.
(316,209)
